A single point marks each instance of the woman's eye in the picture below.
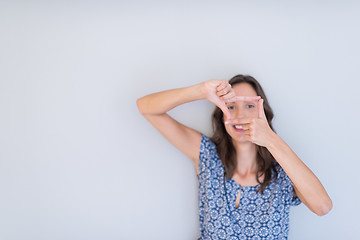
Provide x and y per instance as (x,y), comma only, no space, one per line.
(231,107)
(252,106)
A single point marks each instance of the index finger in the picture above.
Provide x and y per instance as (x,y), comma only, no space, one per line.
(225,110)
(242,98)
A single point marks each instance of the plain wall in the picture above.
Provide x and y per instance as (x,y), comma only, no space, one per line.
(77,159)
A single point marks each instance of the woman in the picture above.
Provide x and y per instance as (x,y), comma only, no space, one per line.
(248,176)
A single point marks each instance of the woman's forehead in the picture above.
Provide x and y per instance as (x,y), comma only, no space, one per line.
(244,89)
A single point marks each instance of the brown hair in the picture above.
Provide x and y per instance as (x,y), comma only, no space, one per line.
(225,148)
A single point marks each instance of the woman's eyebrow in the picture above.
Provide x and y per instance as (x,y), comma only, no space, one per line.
(252,102)
(247,102)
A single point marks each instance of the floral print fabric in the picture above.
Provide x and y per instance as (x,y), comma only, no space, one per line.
(257,217)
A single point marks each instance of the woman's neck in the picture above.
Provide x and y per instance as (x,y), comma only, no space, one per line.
(246,158)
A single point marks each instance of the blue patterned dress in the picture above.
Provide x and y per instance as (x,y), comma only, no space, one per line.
(257,217)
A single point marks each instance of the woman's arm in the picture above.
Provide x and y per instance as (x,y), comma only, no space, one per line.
(307,186)
(154,107)
(161,102)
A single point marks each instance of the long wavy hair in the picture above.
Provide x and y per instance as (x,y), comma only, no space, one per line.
(224,145)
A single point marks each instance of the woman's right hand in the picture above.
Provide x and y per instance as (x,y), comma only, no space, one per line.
(217,91)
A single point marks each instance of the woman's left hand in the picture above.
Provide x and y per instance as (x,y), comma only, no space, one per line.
(257,130)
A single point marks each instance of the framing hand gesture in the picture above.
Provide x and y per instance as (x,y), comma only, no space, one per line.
(257,130)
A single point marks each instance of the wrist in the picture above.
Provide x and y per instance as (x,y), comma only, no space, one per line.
(200,89)
(274,139)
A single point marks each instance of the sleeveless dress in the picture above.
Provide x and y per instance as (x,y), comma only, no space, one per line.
(257,217)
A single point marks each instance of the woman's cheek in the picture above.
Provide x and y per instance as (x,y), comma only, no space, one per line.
(225,118)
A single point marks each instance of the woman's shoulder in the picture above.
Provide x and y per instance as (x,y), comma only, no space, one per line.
(208,151)
(279,171)
(282,177)
(206,143)
(277,174)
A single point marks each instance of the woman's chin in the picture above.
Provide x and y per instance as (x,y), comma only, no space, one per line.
(240,139)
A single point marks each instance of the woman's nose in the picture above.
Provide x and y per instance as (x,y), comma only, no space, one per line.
(239,113)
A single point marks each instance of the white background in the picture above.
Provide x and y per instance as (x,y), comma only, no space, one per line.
(77,159)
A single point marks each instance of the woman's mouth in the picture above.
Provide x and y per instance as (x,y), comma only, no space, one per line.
(238,128)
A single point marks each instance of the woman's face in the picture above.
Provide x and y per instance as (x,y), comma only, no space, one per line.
(241,109)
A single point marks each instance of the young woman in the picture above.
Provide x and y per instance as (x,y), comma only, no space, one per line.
(248,176)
